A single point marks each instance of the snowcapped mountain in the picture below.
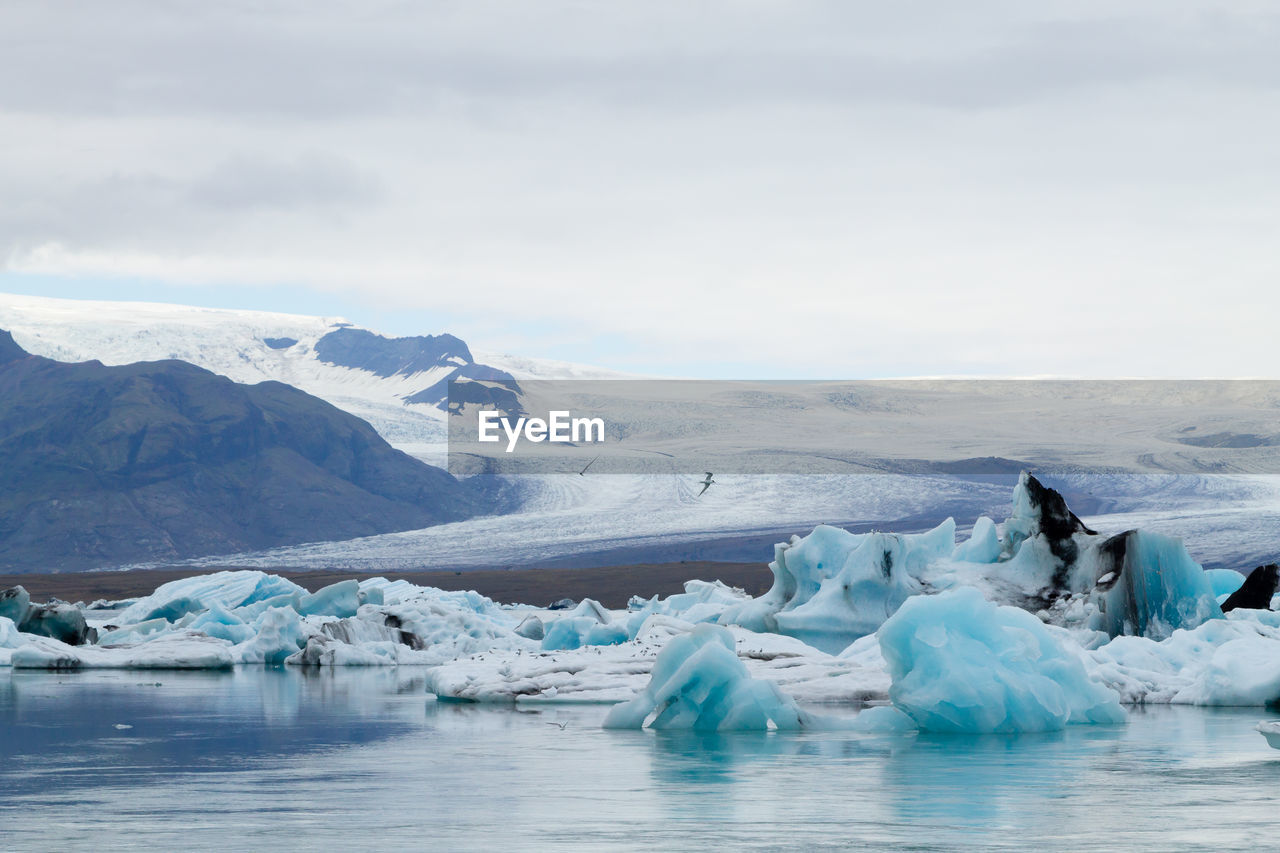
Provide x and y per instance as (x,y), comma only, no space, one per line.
(164,460)
(398,385)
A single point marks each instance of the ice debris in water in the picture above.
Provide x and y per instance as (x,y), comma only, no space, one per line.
(962,664)
(1270,729)
(699,683)
(588,624)
(1140,615)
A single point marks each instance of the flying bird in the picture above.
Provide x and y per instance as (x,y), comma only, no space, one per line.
(706,484)
(561,725)
(589,464)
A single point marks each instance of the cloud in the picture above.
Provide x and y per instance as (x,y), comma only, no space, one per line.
(798,188)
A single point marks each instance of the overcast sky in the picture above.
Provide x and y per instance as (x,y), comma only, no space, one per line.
(751,188)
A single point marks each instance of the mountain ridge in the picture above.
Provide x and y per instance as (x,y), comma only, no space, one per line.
(103,465)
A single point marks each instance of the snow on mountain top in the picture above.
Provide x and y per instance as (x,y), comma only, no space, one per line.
(257,346)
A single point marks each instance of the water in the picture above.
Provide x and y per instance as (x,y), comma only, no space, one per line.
(285,760)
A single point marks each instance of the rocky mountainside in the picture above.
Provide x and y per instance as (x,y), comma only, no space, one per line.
(160,461)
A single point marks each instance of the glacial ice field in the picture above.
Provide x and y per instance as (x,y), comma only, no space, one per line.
(1036,624)
(1225,520)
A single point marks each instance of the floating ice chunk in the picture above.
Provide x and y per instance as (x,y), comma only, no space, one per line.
(135,633)
(1270,729)
(326,651)
(1224,581)
(1244,671)
(257,608)
(531,628)
(962,664)
(279,633)
(873,582)
(832,586)
(14,603)
(884,719)
(571,632)
(983,546)
(701,601)
(588,624)
(591,609)
(9,637)
(175,651)
(1157,589)
(1189,667)
(58,621)
(341,599)
(699,683)
(228,589)
(219,622)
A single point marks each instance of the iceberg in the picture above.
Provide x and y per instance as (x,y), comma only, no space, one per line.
(231,590)
(960,663)
(1149,585)
(1270,729)
(341,599)
(699,683)
(983,544)
(832,587)
(175,651)
(278,634)
(883,719)
(1224,581)
(58,621)
(14,603)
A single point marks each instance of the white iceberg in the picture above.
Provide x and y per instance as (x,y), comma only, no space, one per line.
(1270,729)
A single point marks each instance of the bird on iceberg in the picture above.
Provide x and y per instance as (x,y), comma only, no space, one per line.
(706,484)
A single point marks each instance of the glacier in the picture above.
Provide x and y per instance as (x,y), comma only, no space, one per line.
(1030,624)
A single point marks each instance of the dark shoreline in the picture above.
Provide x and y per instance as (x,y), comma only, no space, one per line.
(612,586)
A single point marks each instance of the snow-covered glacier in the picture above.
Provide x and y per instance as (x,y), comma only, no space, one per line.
(1027,625)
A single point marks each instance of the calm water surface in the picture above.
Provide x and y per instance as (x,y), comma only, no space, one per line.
(283,760)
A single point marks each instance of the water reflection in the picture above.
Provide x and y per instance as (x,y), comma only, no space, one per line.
(299,759)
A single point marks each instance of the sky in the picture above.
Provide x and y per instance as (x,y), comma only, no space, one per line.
(751,189)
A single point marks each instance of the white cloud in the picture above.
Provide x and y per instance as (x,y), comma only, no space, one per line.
(805,189)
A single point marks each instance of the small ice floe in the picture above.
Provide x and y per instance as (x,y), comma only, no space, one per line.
(123,726)
(1270,729)
(699,683)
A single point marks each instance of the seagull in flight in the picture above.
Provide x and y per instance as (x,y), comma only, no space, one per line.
(706,484)
(583,472)
(561,725)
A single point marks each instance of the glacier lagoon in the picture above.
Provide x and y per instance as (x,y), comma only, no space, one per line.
(378,712)
(287,758)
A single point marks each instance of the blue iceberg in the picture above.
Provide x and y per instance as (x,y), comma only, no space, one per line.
(699,683)
(832,586)
(1148,585)
(962,664)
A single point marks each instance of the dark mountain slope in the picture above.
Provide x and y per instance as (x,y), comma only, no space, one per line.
(165,460)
